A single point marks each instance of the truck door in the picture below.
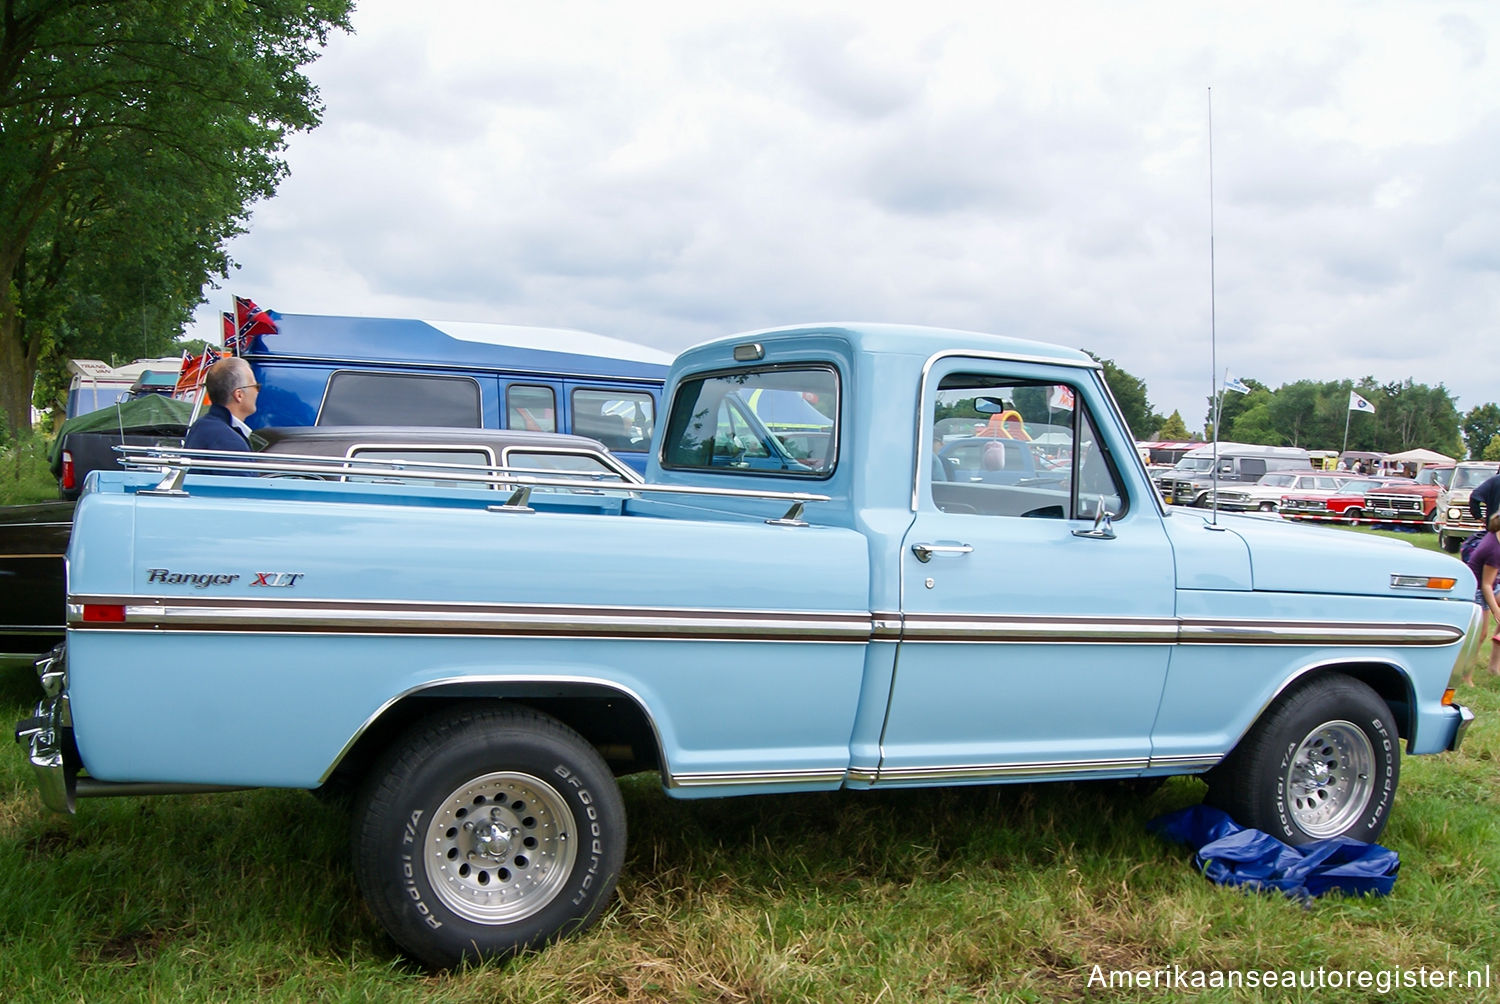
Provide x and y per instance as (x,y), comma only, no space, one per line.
(1035,638)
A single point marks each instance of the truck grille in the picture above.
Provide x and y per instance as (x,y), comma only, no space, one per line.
(1303,505)
(1404,504)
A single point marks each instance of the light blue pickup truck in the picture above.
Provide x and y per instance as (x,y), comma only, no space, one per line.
(802,596)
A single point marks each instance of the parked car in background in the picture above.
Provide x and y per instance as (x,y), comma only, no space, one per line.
(1409,500)
(87,443)
(1347,504)
(1265,495)
(1194,476)
(33,538)
(1454,522)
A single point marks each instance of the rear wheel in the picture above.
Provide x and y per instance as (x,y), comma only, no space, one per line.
(485,832)
(1322,762)
(1354,514)
(1268,507)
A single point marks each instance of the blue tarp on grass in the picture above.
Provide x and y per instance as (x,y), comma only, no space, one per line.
(1229,854)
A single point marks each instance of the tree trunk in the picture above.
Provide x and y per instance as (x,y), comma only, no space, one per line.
(17,372)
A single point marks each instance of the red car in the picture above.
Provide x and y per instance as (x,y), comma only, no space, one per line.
(1409,500)
(1345,506)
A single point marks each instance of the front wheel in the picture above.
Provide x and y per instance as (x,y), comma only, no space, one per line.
(1322,762)
(1451,544)
(486,832)
(1268,507)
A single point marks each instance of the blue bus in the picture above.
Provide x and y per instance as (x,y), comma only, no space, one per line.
(332,370)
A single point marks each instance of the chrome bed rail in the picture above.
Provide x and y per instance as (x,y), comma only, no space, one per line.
(177,462)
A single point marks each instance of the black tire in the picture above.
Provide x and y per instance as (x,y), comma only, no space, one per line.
(1450,544)
(1323,761)
(1268,507)
(523,829)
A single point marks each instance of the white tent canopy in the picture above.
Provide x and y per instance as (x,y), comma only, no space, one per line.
(1418,457)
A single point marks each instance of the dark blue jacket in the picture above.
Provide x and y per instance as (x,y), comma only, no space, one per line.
(213,431)
(1485,499)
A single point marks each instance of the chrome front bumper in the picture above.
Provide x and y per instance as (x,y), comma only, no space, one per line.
(47,734)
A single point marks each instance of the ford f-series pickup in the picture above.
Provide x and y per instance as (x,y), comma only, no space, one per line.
(813,590)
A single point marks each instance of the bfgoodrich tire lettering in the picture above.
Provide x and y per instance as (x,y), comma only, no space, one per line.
(485,832)
(1323,761)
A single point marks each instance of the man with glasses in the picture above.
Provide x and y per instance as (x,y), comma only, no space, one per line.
(232,393)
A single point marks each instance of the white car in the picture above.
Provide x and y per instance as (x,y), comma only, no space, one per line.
(1266,493)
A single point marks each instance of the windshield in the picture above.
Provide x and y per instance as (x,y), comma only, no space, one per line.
(1195,464)
(1359,487)
(1279,480)
(1471,477)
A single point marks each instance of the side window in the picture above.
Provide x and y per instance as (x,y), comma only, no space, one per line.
(581,466)
(531,408)
(1006,447)
(620,419)
(1252,468)
(355,398)
(767,421)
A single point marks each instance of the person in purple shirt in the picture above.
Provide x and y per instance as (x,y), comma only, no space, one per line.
(1484,561)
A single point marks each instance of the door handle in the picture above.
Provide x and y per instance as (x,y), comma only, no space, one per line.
(924,552)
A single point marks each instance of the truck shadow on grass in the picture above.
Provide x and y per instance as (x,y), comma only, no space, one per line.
(831,839)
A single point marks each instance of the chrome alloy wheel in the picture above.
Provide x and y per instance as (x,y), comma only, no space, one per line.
(1331,778)
(500,847)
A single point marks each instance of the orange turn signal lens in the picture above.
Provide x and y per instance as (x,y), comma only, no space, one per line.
(1448,696)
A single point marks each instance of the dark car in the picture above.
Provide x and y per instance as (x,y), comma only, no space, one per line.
(34,538)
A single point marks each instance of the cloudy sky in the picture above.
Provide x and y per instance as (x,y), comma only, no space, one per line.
(669,172)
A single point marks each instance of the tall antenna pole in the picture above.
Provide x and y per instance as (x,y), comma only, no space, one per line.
(1213,332)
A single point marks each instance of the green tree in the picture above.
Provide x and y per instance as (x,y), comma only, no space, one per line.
(1294,411)
(1255,424)
(1479,428)
(134,136)
(1492,448)
(1416,415)
(1130,394)
(1174,429)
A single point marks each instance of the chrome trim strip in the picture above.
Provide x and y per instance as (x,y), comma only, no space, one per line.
(514,620)
(999,770)
(1275,632)
(759,777)
(537,620)
(1189,764)
(959,628)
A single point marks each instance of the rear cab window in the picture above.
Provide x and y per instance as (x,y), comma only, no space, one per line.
(777,420)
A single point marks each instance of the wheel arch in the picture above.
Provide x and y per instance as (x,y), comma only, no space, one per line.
(1389,681)
(609,717)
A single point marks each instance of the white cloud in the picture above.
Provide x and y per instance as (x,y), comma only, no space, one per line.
(668,172)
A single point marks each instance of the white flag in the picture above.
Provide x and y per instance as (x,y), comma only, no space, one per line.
(1357,403)
(1235,384)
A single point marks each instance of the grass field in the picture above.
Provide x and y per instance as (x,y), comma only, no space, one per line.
(989,893)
